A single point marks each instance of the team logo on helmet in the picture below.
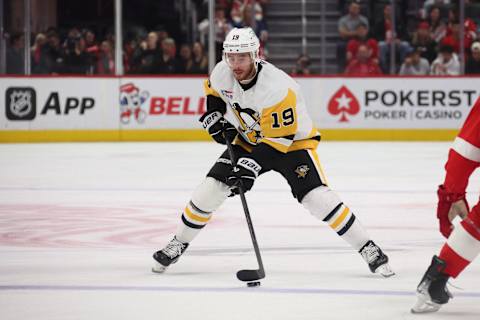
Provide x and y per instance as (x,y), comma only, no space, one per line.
(302,171)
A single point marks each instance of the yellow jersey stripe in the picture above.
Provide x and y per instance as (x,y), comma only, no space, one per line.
(303,144)
(313,154)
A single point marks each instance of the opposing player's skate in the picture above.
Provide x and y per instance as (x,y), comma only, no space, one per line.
(376,259)
(432,290)
(168,255)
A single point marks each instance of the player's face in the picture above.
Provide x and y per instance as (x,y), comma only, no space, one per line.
(241,64)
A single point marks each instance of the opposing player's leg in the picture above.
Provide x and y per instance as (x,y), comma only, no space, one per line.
(303,172)
(461,248)
(432,290)
(206,198)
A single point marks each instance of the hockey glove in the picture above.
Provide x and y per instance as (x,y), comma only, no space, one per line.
(249,167)
(215,124)
(449,206)
(243,174)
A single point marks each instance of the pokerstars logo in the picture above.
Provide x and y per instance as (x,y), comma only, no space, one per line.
(343,103)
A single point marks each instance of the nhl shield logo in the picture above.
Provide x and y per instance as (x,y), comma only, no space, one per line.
(20,103)
(302,171)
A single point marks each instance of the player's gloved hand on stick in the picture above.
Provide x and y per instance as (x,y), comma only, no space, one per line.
(215,124)
(243,174)
(449,206)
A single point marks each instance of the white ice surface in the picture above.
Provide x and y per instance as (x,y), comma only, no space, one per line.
(79,222)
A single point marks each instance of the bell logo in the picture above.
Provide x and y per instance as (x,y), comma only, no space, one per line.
(343,102)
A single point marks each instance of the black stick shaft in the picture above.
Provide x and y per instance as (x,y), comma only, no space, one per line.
(245,209)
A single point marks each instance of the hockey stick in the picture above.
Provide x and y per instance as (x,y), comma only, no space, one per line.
(247,275)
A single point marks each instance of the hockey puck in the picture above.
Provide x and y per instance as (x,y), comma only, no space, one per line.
(253,284)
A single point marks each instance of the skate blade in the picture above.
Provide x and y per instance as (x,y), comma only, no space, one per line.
(424,306)
(158,268)
(385,271)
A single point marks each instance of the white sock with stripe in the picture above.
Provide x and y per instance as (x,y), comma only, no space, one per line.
(346,225)
(324,204)
(193,220)
(206,198)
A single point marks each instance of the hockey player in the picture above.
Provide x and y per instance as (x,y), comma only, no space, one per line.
(261,109)
(463,243)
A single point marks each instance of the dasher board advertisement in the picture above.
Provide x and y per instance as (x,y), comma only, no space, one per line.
(58,104)
(390,103)
(167,103)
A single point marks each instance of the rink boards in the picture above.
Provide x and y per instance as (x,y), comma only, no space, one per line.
(35,109)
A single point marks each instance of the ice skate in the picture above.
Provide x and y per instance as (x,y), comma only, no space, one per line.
(432,290)
(168,255)
(376,259)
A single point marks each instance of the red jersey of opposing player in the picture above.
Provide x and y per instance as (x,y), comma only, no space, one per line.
(463,245)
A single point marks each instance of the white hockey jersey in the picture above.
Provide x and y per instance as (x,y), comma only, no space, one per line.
(272,111)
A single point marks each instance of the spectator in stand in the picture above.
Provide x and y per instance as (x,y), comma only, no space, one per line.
(222,27)
(15,54)
(347,28)
(77,61)
(255,21)
(453,37)
(91,47)
(470,27)
(429,4)
(54,52)
(363,64)
(470,31)
(236,15)
(423,41)
(129,48)
(106,59)
(39,55)
(362,38)
(347,25)
(414,64)
(447,63)
(473,63)
(147,59)
(168,62)
(438,28)
(186,59)
(384,33)
(91,44)
(200,60)
(302,66)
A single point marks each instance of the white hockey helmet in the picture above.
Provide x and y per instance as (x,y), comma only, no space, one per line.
(241,40)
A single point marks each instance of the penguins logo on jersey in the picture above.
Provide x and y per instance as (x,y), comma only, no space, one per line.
(249,120)
(302,171)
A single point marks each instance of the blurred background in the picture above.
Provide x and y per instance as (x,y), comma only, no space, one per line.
(302,37)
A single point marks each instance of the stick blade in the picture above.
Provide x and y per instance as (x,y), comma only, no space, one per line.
(250,275)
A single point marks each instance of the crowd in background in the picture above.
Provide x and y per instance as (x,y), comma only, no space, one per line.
(79,51)
(427,44)
(431,47)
